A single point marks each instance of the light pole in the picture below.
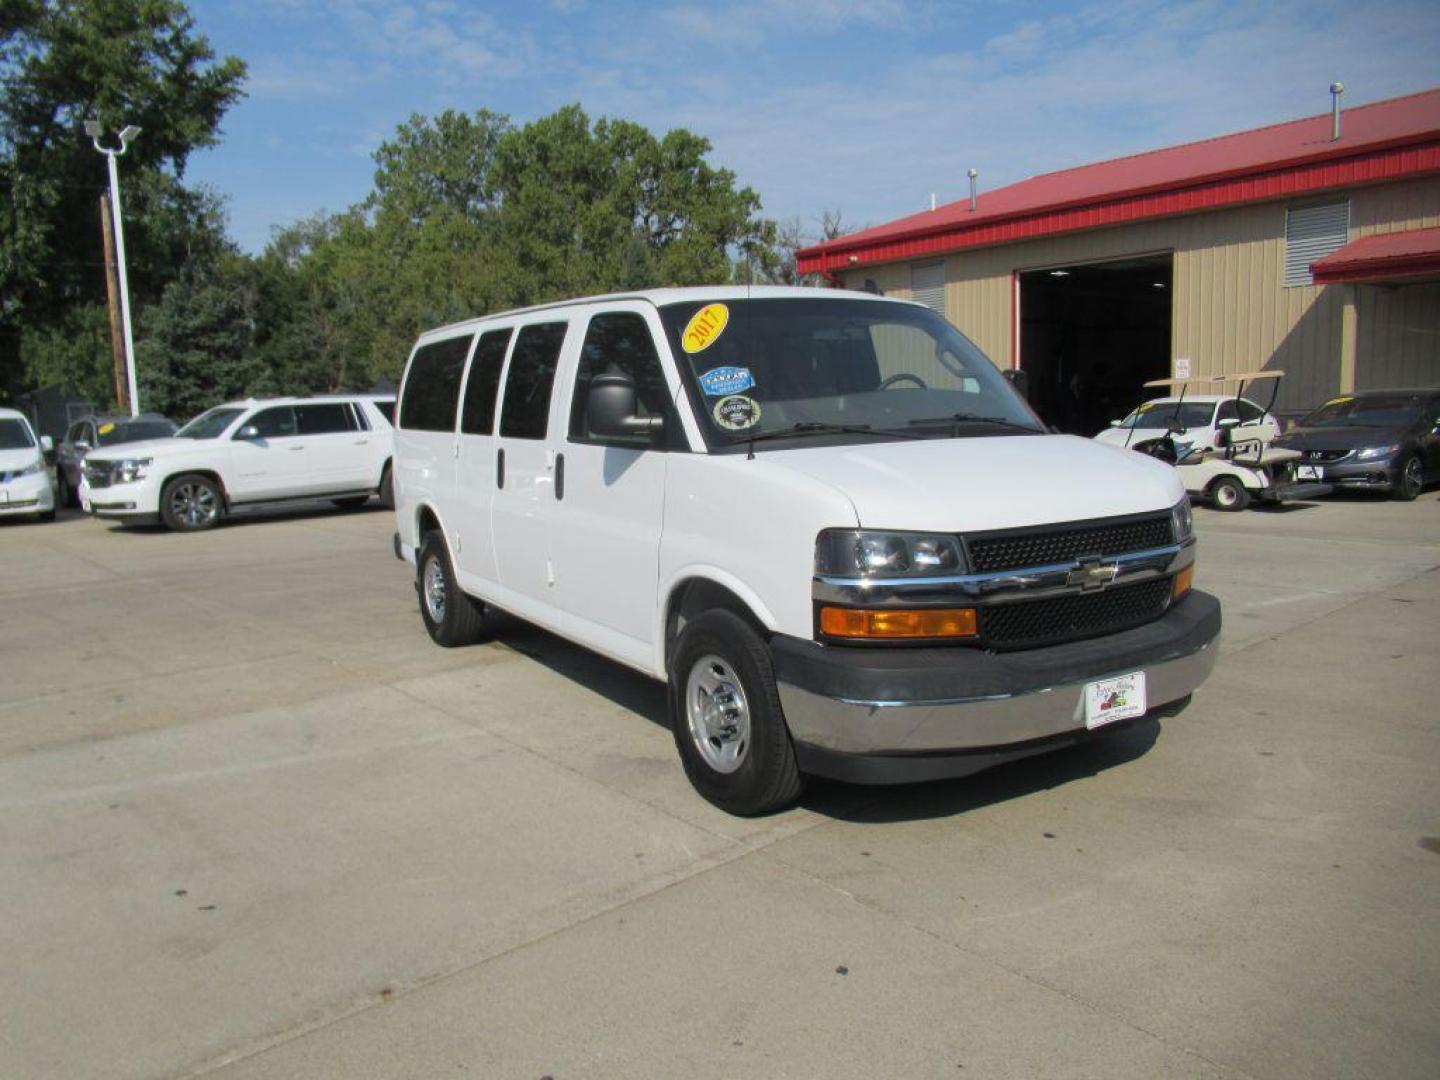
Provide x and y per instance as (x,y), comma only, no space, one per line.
(127,135)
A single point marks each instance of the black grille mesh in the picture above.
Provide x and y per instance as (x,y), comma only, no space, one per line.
(1020,548)
(1028,623)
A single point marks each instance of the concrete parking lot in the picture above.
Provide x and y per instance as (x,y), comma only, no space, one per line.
(253,824)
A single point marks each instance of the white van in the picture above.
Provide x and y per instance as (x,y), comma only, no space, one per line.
(823,517)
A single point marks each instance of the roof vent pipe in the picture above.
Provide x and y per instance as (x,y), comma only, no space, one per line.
(1336,89)
(973,173)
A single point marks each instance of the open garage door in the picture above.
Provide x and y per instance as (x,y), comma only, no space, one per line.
(1091,334)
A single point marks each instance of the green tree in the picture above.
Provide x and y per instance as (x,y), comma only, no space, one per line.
(122,62)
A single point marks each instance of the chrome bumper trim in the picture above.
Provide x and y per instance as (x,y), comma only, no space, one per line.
(906,727)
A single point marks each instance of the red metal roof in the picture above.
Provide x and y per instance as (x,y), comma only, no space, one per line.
(1414,253)
(1383,141)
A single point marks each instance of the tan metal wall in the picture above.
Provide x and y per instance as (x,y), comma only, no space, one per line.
(1232,311)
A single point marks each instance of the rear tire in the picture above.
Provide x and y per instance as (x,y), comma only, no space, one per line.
(1229,495)
(726,717)
(191,502)
(1409,480)
(450,616)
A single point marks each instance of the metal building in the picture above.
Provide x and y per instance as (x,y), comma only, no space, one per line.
(1312,246)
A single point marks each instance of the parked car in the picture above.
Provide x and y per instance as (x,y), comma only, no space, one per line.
(1375,440)
(95,432)
(246,452)
(822,517)
(1199,418)
(24,476)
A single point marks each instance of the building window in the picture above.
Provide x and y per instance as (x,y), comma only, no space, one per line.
(1311,233)
(927,286)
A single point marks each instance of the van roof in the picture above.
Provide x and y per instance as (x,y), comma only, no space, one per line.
(665,297)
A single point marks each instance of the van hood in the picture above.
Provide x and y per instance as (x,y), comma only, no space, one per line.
(15,460)
(151,448)
(1000,482)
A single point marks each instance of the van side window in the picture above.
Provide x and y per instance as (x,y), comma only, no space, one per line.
(477,414)
(619,342)
(274,423)
(433,389)
(532,374)
(326,419)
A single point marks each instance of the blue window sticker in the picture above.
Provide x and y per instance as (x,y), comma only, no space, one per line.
(723,381)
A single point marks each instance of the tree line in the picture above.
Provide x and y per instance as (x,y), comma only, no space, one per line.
(469,213)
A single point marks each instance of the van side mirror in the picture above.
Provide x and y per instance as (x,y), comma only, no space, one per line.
(610,409)
(1020,380)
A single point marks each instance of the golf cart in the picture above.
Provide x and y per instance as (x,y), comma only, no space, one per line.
(1241,466)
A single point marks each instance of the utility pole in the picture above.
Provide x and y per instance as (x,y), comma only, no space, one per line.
(112,294)
(127,134)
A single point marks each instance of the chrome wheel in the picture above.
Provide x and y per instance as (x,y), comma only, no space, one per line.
(434,590)
(194,504)
(718,714)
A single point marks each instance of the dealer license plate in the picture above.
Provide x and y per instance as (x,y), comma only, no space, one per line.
(1309,472)
(1114,699)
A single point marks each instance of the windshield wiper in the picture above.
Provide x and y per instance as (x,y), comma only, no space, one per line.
(975,418)
(815,427)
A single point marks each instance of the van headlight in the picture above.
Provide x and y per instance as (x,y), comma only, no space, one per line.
(131,469)
(1182,520)
(868,553)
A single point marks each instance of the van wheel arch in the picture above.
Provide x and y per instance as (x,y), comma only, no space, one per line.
(698,595)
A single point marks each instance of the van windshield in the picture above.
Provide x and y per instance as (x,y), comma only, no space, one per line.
(14,435)
(842,370)
(1159,414)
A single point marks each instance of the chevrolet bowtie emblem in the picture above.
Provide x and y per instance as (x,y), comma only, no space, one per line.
(1093,575)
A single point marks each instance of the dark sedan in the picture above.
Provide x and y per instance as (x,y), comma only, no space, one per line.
(1376,440)
(85,435)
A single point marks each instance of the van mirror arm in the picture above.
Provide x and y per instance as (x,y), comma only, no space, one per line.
(610,409)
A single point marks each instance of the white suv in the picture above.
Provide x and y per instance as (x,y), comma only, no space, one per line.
(24,477)
(335,448)
(824,518)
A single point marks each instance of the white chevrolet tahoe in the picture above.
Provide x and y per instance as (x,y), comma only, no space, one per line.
(24,477)
(243,452)
(824,518)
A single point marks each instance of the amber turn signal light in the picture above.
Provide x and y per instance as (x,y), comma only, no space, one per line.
(1181,587)
(889,624)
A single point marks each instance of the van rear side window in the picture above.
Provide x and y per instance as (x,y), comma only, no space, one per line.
(477,416)
(433,389)
(532,374)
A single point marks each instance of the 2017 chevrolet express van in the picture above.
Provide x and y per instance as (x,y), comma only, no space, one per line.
(823,517)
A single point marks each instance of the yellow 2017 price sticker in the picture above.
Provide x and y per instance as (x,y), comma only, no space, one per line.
(704,328)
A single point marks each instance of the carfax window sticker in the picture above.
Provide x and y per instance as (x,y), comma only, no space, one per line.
(736,412)
(704,328)
(724,381)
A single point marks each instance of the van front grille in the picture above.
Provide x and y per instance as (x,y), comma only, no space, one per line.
(1018,549)
(1027,624)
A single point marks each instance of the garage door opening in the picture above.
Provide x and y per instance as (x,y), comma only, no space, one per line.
(1091,334)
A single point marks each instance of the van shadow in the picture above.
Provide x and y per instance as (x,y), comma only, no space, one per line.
(646,697)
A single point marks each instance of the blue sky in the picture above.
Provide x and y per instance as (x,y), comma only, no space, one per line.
(865,107)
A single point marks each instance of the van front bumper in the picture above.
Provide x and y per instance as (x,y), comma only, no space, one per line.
(899,714)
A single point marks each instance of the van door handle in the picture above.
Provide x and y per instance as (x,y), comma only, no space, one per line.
(500,468)
(559,476)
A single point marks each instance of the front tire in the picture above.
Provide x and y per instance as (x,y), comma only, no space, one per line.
(1410,479)
(1229,495)
(726,717)
(191,502)
(451,617)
